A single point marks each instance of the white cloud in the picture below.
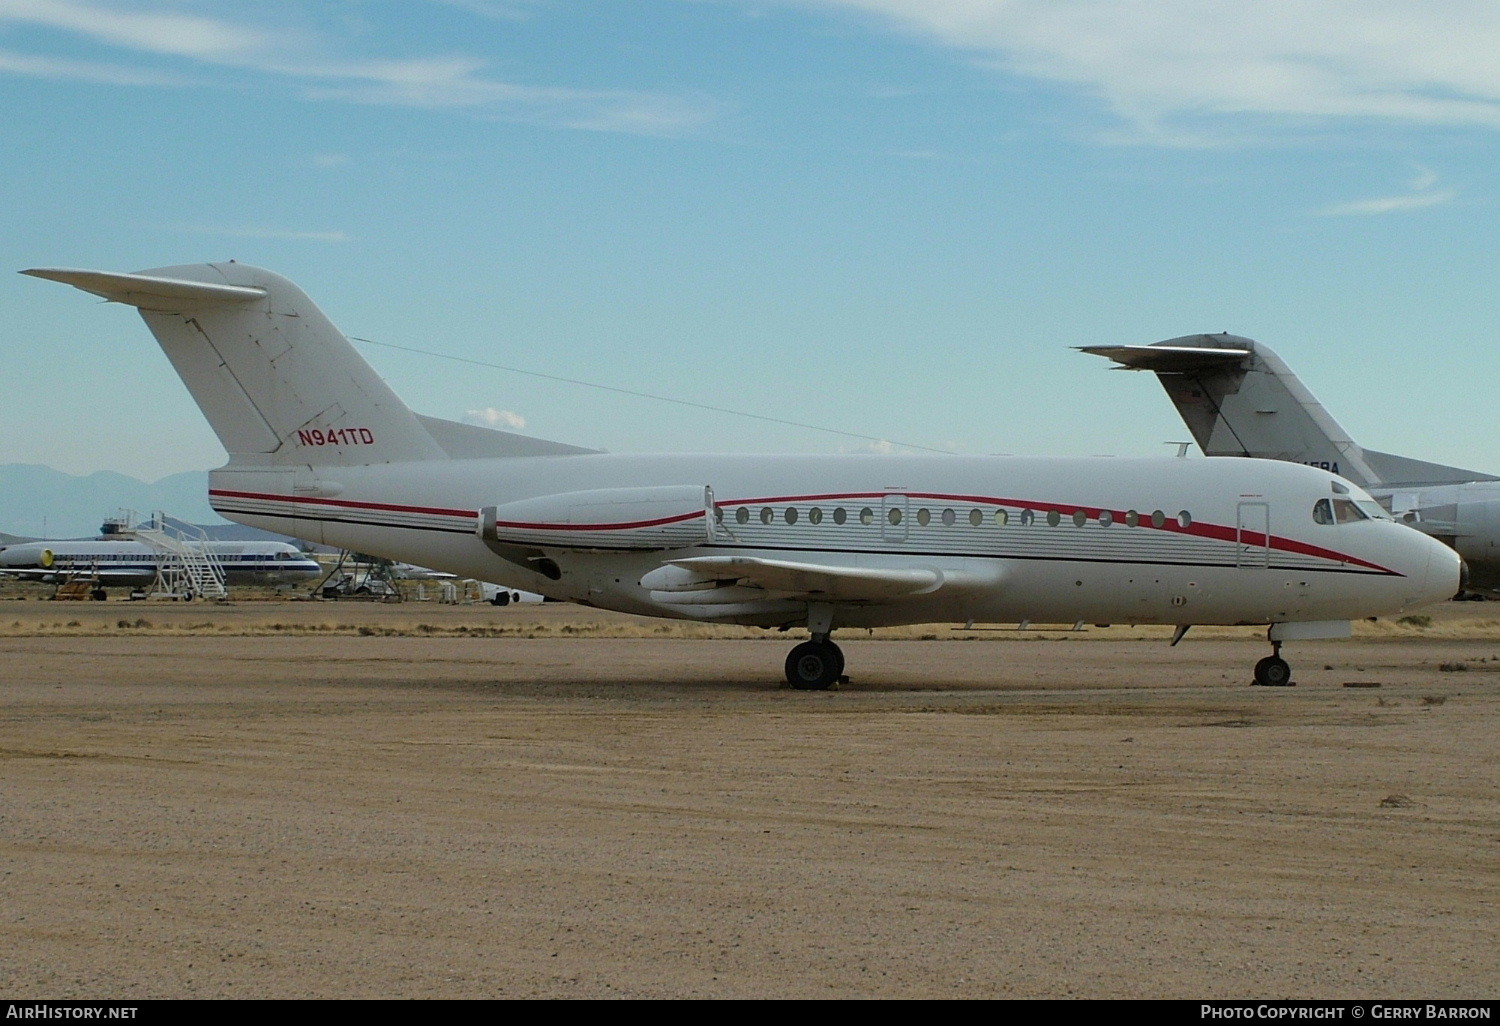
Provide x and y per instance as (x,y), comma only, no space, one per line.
(457,81)
(256,232)
(491,417)
(165,31)
(83,71)
(499,10)
(1191,61)
(298,55)
(1421,195)
(874,447)
(1389,204)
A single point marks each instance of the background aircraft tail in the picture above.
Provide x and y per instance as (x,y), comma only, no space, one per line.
(1238,398)
(277,381)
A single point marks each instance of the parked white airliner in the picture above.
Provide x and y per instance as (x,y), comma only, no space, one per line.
(121,561)
(320,448)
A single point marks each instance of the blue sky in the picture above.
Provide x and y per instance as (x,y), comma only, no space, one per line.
(888,217)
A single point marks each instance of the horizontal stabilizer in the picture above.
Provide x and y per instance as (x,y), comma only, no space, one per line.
(1166,359)
(167,295)
(1404,472)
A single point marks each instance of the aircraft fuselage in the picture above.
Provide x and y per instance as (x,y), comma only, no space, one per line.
(1012,538)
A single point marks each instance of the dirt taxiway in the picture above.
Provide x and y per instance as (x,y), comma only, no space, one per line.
(308,799)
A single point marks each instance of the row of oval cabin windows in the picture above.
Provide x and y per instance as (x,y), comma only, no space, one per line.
(949,517)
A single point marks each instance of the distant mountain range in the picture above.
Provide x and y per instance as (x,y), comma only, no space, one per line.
(39,502)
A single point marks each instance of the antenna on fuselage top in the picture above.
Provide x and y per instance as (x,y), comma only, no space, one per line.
(1182,448)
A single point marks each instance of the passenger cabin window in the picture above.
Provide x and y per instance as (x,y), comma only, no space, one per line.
(742,515)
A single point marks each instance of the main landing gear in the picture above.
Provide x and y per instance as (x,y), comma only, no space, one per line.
(815,665)
(1273,671)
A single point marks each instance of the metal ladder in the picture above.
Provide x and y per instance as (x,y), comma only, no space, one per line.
(186,566)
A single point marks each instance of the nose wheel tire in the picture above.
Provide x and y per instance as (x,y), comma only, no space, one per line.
(814,666)
(1273,672)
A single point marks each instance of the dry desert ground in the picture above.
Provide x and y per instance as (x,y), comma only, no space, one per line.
(306,799)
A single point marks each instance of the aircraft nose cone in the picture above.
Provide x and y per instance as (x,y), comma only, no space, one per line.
(1447,573)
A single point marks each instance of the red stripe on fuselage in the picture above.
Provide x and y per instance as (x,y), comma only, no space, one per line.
(438,511)
(347,503)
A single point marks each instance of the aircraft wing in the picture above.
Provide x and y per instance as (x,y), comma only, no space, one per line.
(1166,359)
(26,575)
(717,580)
(40,574)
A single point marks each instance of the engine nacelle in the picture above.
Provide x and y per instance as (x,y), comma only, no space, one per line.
(666,517)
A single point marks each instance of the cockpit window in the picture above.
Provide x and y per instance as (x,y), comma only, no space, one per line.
(1341,511)
(1346,512)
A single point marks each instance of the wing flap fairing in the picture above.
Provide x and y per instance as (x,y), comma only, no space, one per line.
(718,580)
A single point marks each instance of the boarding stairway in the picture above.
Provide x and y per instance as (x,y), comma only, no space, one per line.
(186,565)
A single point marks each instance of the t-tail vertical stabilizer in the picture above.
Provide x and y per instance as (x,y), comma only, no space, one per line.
(276,380)
(279,384)
(1239,398)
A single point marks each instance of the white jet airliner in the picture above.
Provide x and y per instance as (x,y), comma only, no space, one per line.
(321,448)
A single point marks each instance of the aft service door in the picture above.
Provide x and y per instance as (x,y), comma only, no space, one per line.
(1252,536)
(893,518)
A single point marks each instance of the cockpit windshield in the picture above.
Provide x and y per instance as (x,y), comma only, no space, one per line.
(1347,511)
